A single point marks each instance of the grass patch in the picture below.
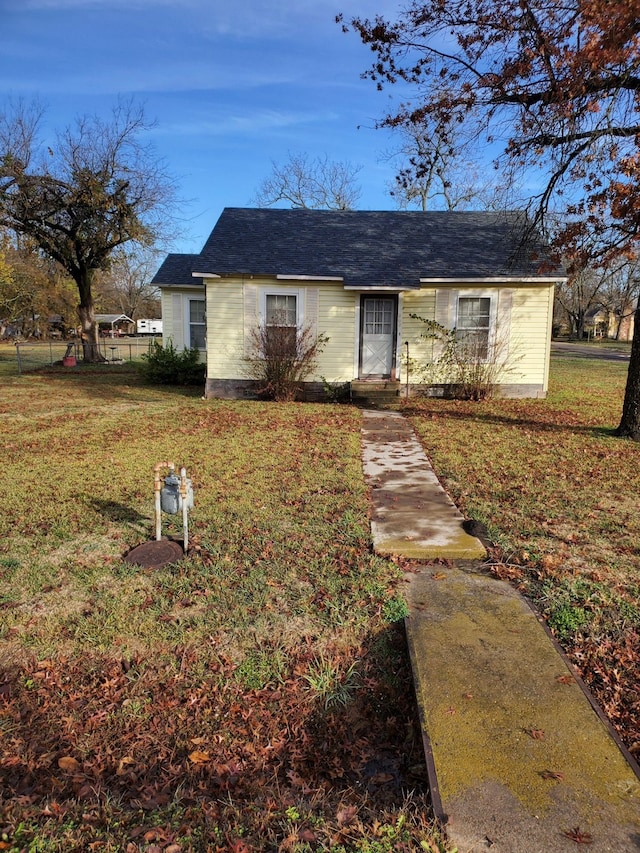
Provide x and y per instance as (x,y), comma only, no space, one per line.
(214,703)
(557,493)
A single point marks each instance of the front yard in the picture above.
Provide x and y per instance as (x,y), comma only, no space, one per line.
(256,695)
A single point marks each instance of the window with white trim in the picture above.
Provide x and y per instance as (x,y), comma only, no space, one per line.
(197,324)
(281,323)
(473,326)
(281,309)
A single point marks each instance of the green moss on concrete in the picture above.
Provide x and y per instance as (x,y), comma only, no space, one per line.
(460,547)
(487,676)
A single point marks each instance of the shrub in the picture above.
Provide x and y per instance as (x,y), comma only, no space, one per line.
(464,366)
(165,365)
(281,358)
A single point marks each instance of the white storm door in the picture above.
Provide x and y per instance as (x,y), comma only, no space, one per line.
(378,336)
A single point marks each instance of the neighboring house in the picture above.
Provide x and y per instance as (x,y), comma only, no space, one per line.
(357,277)
(601,322)
(114,325)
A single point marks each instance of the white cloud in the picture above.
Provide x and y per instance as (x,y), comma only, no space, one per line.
(247,125)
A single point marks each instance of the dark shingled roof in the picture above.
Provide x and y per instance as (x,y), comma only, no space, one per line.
(365,248)
(177,269)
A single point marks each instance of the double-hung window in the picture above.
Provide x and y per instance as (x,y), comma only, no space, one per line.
(281,323)
(474,325)
(197,324)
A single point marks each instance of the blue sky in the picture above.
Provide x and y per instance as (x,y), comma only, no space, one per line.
(232,84)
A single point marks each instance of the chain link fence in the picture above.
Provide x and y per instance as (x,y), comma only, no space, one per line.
(28,356)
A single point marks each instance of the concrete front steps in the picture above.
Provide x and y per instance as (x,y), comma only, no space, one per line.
(375,393)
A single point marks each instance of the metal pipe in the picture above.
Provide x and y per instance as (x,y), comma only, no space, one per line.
(406,390)
(157,487)
(185,508)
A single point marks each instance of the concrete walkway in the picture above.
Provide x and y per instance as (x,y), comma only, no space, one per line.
(520,759)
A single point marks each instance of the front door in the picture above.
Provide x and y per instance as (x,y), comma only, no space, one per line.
(377,338)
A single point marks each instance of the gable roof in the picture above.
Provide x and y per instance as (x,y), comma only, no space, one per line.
(112,318)
(369,248)
(176,269)
(365,248)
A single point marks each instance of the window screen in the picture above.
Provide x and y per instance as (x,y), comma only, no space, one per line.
(378,316)
(281,310)
(197,324)
(474,314)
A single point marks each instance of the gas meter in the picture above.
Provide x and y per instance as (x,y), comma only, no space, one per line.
(171,497)
(176,495)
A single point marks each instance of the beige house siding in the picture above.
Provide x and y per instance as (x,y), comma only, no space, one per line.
(337,310)
(522,318)
(422,303)
(531,335)
(166,308)
(522,313)
(175,308)
(225,336)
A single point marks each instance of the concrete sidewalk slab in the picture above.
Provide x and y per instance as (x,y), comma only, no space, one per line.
(520,759)
(412,514)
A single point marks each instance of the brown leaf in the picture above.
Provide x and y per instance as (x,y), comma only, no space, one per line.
(123,764)
(536,734)
(307,835)
(552,774)
(578,836)
(565,679)
(346,815)
(69,764)
(438,576)
(198,757)
(382,778)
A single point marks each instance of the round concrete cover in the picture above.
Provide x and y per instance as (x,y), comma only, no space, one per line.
(155,555)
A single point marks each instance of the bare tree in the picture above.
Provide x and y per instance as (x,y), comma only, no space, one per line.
(319,184)
(94,188)
(620,297)
(577,296)
(436,171)
(126,285)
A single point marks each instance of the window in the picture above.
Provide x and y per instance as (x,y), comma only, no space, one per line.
(472,328)
(281,310)
(281,323)
(378,316)
(197,324)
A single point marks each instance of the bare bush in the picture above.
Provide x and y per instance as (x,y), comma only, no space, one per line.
(469,365)
(281,358)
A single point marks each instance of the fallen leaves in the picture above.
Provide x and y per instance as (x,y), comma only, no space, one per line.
(577,835)
(69,764)
(183,722)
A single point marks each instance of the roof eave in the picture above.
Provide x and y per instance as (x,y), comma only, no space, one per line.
(495,279)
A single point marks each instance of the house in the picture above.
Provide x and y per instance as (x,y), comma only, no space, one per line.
(360,277)
(615,324)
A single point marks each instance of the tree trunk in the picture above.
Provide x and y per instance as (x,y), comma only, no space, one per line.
(630,424)
(88,326)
